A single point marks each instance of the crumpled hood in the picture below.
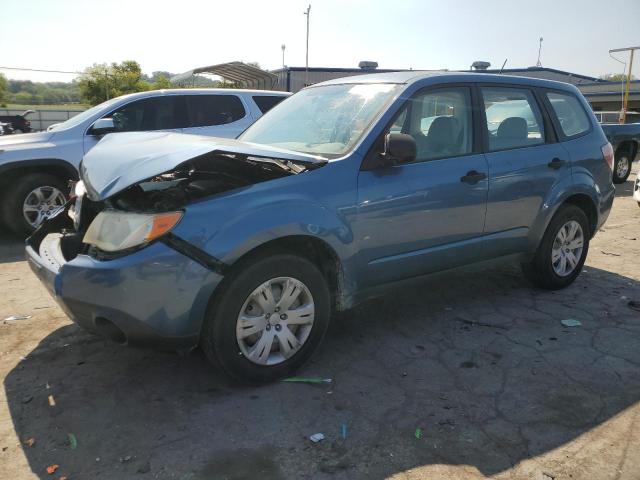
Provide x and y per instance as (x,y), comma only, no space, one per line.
(123,159)
(23,140)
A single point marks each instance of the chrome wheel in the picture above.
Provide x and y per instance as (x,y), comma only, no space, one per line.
(40,204)
(275,321)
(622,166)
(567,248)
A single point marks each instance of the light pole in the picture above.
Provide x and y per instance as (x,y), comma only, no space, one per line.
(283,46)
(308,14)
(623,114)
(539,63)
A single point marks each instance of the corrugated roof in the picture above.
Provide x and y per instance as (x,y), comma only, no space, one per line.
(247,76)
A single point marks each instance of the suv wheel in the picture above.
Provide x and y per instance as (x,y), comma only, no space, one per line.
(621,167)
(32,199)
(267,319)
(562,251)
(17,130)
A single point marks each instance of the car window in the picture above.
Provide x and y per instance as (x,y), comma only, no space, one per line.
(207,110)
(156,113)
(571,116)
(513,118)
(325,120)
(267,102)
(439,121)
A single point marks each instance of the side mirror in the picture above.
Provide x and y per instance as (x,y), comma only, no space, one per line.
(398,148)
(102,126)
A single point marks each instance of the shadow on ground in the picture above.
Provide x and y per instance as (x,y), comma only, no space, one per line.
(626,189)
(11,246)
(480,362)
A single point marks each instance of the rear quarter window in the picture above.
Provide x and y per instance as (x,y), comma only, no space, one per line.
(267,102)
(572,118)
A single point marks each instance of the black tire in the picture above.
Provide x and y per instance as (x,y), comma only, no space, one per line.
(540,270)
(16,195)
(218,337)
(621,156)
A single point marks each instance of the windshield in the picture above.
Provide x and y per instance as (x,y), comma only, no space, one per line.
(81,117)
(326,121)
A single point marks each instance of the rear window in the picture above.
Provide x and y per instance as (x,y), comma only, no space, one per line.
(513,118)
(267,102)
(206,110)
(571,116)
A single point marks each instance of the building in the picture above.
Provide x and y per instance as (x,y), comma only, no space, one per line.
(601,94)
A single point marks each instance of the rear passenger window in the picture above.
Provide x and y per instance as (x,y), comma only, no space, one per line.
(206,110)
(267,102)
(513,118)
(439,121)
(571,115)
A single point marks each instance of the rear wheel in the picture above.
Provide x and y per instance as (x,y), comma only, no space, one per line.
(31,200)
(562,251)
(267,319)
(621,167)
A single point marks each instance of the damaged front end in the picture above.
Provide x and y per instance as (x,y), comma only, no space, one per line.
(117,211)
(108,256)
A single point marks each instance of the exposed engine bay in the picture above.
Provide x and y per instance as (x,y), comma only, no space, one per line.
(200,178)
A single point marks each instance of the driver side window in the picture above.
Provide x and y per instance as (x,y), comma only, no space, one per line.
(439,121)
(157,113)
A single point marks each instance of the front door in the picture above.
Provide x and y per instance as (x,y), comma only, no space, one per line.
(163,112)
(427,215)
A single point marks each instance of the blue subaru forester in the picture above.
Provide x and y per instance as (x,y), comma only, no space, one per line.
(247,246)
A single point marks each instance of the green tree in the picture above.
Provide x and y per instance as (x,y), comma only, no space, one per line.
(4,90)
(100,82)
(162,81)
(615,77)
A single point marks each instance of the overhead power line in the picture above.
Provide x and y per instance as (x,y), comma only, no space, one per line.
(38,70)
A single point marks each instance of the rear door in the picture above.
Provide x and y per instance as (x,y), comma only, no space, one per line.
(427,215)
(217,115)
(525,163)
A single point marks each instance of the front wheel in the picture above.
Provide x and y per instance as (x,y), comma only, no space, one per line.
(31,200)
(621,167)
(267,319)
(562,251)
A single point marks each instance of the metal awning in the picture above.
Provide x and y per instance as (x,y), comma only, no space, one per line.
(246,76)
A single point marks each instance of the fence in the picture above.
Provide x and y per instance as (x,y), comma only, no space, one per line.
(41,119)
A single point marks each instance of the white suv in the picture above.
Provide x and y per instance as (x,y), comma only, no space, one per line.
(35,168)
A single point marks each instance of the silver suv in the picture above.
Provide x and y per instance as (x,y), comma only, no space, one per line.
(35,168)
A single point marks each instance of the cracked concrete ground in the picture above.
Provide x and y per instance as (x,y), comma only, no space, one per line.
(476,358)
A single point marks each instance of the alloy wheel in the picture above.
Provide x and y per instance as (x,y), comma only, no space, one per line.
(622,167)
(41,203)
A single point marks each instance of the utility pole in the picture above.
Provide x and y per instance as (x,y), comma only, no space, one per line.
(283,47)
(623,113)
(539,63)
(308,14)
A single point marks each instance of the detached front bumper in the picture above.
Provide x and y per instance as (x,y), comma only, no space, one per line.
(155,295)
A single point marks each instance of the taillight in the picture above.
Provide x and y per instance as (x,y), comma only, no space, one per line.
(607,153)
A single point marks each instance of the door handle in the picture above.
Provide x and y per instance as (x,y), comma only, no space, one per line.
(556,163)
(473,177)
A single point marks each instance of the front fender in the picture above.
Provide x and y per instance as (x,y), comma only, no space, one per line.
(318,204)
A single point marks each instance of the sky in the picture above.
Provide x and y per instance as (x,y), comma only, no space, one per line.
(177,36)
